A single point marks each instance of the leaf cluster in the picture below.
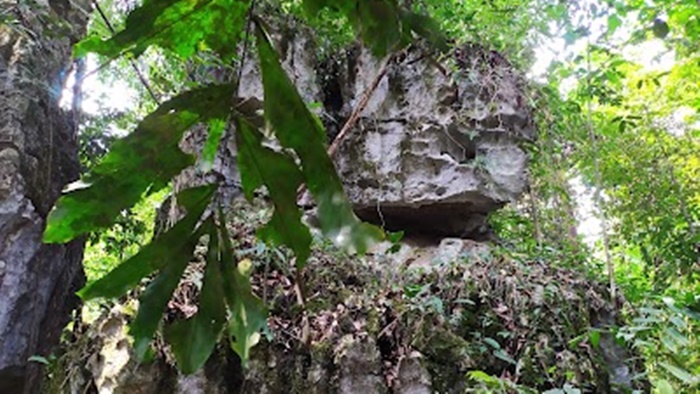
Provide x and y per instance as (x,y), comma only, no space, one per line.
(147,159)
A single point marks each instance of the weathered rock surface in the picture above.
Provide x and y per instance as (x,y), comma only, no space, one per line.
(434,151)
(38,156)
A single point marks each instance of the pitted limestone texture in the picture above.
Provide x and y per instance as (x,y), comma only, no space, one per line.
(435,150)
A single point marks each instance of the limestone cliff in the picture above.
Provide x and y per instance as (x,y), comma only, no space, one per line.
(38,156)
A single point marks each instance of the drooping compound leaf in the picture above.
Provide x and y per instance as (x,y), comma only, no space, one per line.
(259,166)
(247,313)
(296,128)
(155,298)
(143,162)
(183,26)
(193,340)
(176,244)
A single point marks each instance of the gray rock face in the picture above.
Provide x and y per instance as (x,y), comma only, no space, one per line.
(413,377)
(434,151)
(360,366)
(38,156)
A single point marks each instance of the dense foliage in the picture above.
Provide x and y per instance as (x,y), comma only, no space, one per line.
(147,159)
(616,132)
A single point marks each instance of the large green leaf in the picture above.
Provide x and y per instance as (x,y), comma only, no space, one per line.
(193,340)
(183,26)
(277,171)
(155,298)
(143,162)
(681,373)
(248,314)
(298,129)
(211,145)
(170,253)
(664,387)
(175,245)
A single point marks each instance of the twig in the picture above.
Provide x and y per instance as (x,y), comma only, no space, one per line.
(535,215)
(77,104)
(299,290)
(598,180)
(246,38)
(143,80)
(389,327)
(355,116)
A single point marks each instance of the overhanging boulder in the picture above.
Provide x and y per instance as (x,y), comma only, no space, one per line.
(436,148)
(435,151)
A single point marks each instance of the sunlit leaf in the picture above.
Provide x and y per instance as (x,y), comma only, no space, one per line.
(685,376)
(176,244)
(183,26)
(193,340)
(248,314)
(143,162)
(664,387)
(279,173)
(211,145)
(481,376)
(614,22)
(594,337)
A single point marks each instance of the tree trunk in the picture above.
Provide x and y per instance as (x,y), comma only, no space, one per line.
(38,157)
